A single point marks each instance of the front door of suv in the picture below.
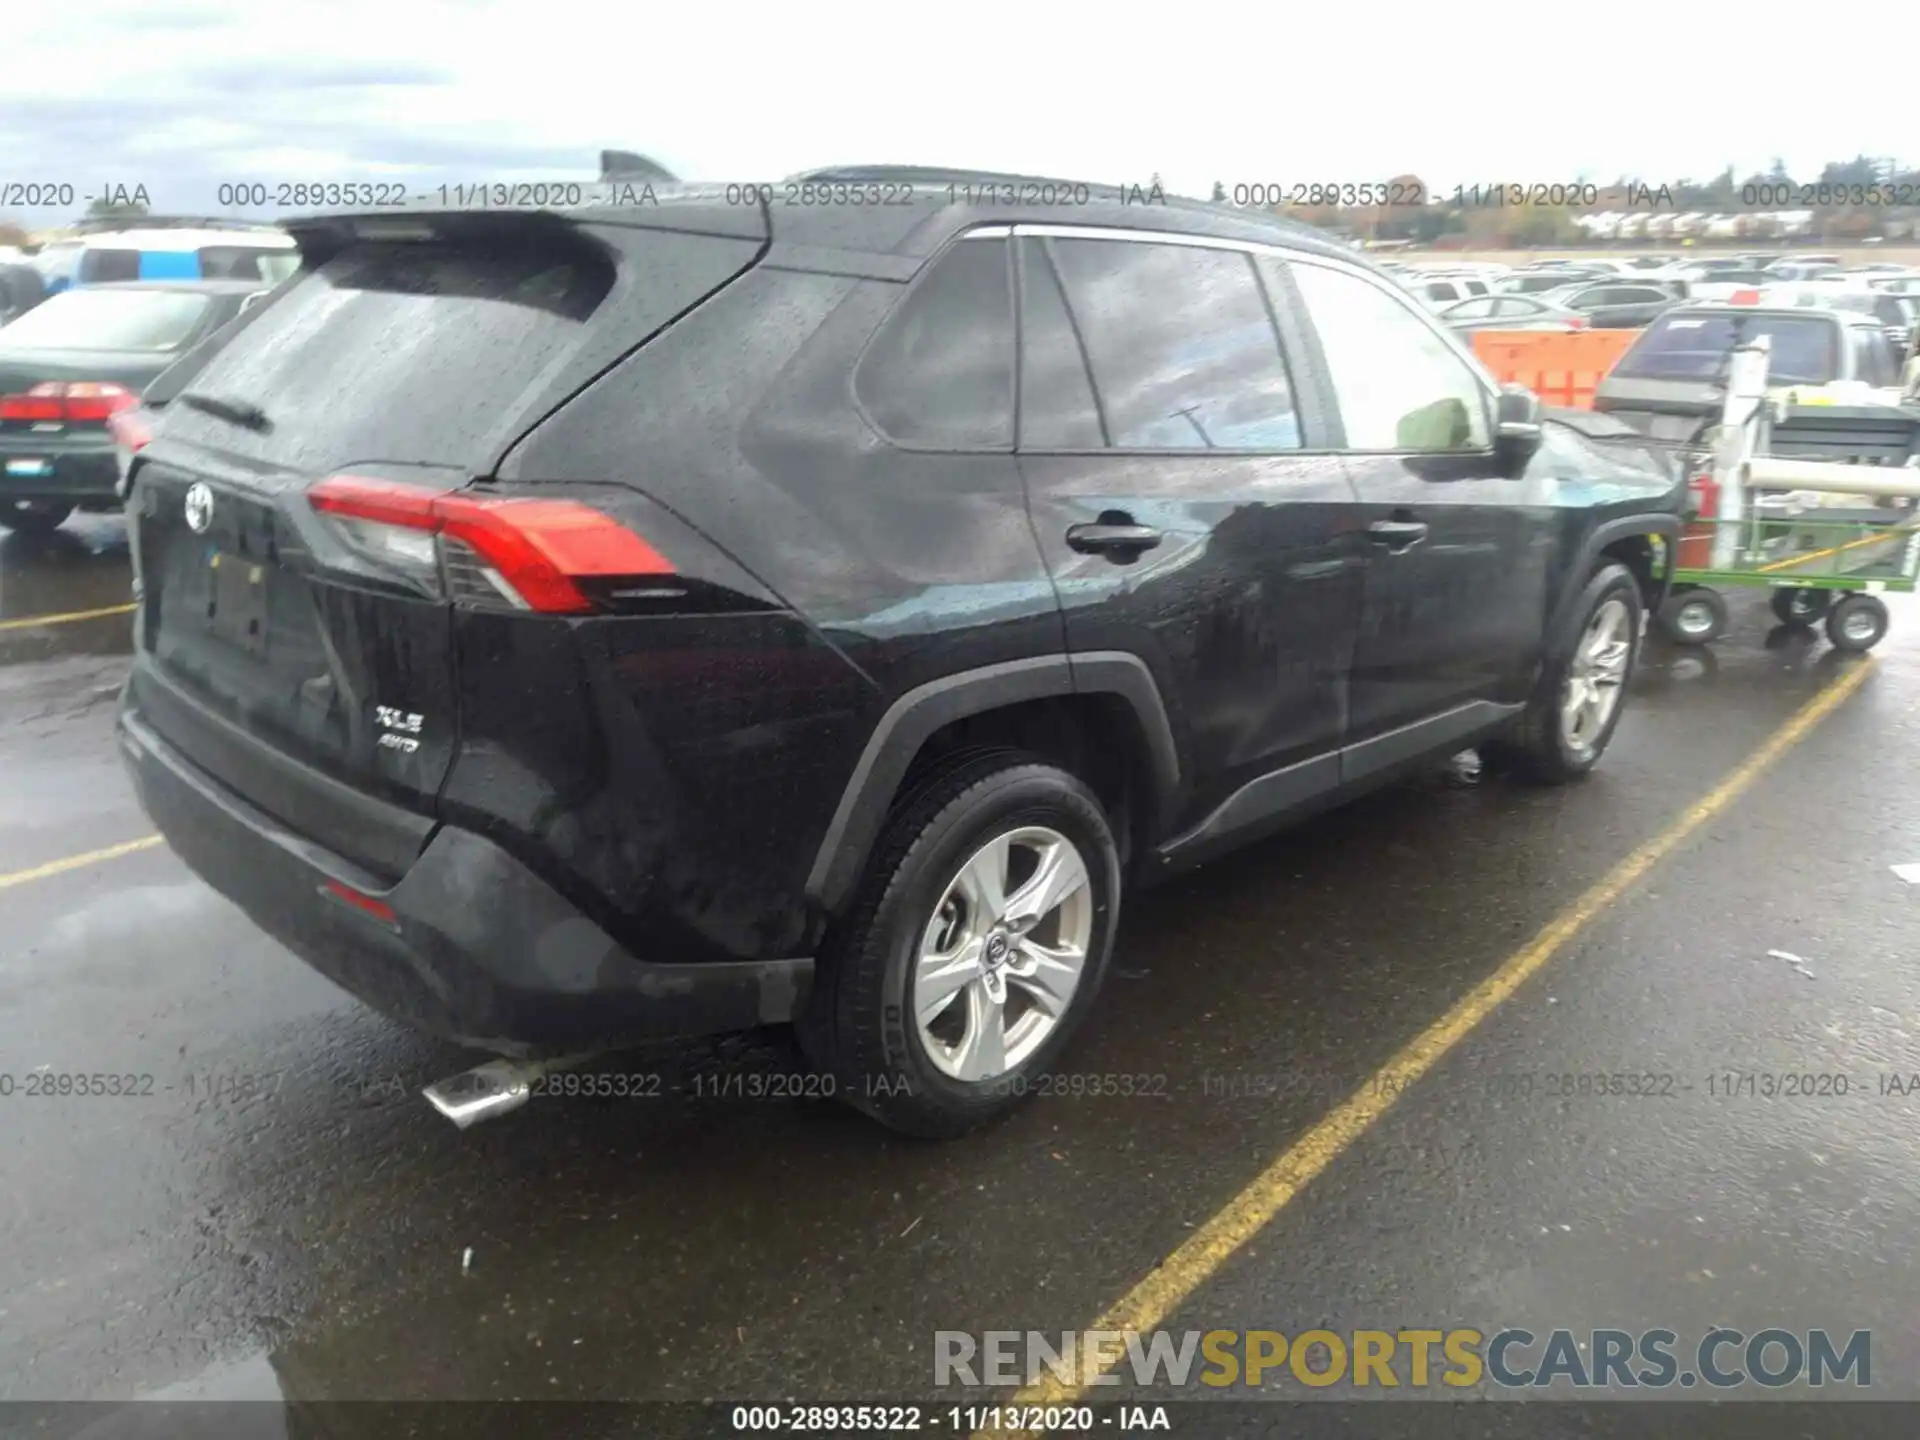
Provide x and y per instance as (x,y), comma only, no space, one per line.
(1183,517)
(1460,555)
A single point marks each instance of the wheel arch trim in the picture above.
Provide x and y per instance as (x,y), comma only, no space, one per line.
(915,716)
(1666,526)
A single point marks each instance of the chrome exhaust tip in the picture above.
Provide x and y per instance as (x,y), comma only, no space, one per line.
(495,1088)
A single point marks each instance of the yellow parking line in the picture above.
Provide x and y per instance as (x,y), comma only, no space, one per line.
(30,621)
(1148,1305)
(75,862)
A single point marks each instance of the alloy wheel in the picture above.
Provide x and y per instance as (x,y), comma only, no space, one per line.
(1596,676)
(1003,954)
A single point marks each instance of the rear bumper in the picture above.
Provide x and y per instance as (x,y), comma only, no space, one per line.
(80,470)
(480,951)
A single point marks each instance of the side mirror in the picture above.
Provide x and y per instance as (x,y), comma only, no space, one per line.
(1516,428)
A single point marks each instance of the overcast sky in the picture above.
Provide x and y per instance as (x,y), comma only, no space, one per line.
(179,95)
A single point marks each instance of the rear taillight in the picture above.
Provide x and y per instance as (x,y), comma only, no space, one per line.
(130,429)
(69,402)
(527,554)
(1744,297)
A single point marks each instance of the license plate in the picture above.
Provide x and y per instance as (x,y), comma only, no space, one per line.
(237,602)
(30,467)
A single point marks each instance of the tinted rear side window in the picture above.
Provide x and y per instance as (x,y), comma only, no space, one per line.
(939,372)
(400,352)
(1874,359)
(102,267)
(231,262)
(1695,347)
(1183,351)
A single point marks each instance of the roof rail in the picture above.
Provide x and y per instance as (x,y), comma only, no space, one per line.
(940,175)
(99,224)
(956,175)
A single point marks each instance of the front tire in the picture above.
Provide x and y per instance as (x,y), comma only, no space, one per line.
(973,949)
(1576,704)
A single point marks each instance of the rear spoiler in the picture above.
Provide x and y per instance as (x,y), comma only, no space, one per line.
(632,204)
(321,237)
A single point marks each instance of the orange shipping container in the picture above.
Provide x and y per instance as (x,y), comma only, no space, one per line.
(1561,368)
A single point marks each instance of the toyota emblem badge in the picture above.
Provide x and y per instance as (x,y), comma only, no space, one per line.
(199,507)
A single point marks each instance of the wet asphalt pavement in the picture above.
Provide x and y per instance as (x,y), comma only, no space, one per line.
(281,1214)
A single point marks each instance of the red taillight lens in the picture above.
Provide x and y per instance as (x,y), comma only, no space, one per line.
(36,404)
(1744,297)
(88,400)
(64,401)
(130,429)
(532,552)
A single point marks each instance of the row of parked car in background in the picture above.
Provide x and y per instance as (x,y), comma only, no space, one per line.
(1629,292)
(1827,323)
(86,321)
(90,317)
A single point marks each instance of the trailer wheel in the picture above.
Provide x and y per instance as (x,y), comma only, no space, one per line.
(1800,604)
(1693,616)
(1857,623)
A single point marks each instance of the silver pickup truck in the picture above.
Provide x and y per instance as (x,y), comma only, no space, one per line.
(1669,382)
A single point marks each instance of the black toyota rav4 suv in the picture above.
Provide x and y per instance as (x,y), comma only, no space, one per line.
(815,603)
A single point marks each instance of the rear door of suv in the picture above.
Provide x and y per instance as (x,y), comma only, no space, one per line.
(1181,511)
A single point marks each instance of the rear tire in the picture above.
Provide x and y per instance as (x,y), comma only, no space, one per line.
(890,1020)
(1693,617)
(1857,623)
(1799,604)
(33,517)
(1577,702)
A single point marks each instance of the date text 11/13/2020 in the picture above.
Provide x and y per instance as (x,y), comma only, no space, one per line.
(779,1085)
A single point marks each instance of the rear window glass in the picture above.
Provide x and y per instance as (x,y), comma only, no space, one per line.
(244,262)
(108,320)
(102,267)
(1695,347)
(1535,284)
(401,352)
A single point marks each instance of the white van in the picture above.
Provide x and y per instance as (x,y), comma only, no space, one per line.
(170,254)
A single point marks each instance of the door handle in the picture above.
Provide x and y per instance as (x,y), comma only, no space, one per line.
(1398,535)
(1122,542)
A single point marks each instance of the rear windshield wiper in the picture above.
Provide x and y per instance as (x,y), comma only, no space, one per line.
(238,412)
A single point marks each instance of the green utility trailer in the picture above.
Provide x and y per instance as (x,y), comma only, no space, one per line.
(1830,522)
